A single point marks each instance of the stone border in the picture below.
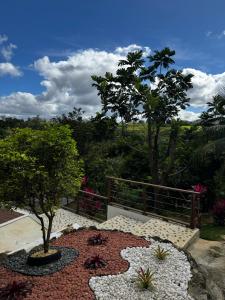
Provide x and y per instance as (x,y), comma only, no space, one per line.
(17,262)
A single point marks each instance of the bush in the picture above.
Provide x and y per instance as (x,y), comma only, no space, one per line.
(219,212)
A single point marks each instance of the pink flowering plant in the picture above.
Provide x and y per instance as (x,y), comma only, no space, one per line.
(199,188)
(89,204)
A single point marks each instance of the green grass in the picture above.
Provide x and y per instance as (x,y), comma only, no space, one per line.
(212,232)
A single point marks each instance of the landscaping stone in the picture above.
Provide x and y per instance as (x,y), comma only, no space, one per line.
(208,270)
(18,262)
(171,276)
(72,282)
(179,235)
(64,218)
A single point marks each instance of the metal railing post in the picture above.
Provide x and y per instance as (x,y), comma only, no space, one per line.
(193,211)
(78,205)
(109,191)
(144,197)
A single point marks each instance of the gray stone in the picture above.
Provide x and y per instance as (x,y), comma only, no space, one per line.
(208,268)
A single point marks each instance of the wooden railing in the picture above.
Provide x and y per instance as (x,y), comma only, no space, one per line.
(174,204)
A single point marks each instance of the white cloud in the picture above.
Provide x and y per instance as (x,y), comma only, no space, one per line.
(205,86)
(67,83)
(188,115)
(133,47)
(221,35)
(215,35)
(208,33)
(9,69)
(7,51)
(20,104)
(3,38)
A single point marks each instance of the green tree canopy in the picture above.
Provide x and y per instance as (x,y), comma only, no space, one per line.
(152,89)
(37,169)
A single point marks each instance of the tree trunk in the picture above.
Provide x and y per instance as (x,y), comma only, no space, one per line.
(155,170)
(49,230)
(171,151)
(43,230)
(150,147)
(153,158)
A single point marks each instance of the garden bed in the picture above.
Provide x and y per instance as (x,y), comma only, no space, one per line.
(123,254)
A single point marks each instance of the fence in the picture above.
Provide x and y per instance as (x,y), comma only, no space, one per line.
(90,205)
(173,204)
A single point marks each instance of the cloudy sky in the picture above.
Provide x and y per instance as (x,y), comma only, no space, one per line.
(49,49)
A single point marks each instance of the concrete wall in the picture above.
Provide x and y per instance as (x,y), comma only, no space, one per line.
(113,211)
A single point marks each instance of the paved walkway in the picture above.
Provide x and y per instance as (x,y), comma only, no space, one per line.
(180,235)
(26,232)
(18,234)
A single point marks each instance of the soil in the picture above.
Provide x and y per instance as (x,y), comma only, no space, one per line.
(43,254)
(72,282)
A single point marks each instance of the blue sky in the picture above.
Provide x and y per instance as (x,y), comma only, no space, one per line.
(57,29)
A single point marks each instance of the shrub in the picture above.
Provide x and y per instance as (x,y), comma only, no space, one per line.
(219,212)
(145,278)
(16,290)
(161,253)
(95,262)
(97,239)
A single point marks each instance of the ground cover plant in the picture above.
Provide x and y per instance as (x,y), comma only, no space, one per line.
(16,290)
(145,278)
(97,239)
(95,262)
(161,253)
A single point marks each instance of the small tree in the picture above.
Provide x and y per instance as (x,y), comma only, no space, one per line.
(37,169)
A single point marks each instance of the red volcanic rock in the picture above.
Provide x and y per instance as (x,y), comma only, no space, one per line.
(71,283)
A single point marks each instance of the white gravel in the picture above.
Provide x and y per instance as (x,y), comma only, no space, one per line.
(171,276)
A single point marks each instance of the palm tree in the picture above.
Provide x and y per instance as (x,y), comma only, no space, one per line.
(215,115)
(163,58)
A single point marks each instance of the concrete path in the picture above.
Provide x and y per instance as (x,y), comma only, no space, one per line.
(18,234)
(26,231)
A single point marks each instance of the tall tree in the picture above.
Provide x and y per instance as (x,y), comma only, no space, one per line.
(37,169)
(212,139)
(215,114)
(149,89)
